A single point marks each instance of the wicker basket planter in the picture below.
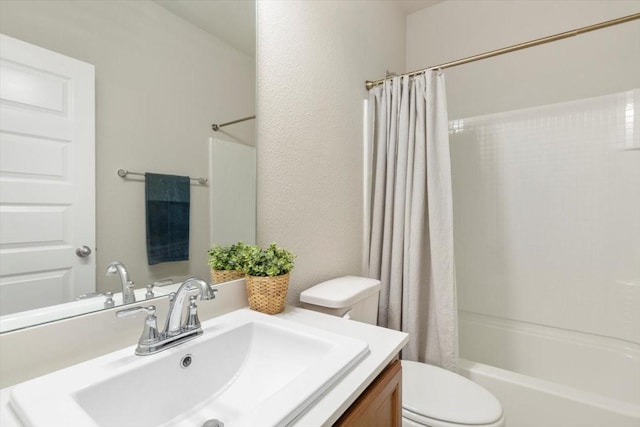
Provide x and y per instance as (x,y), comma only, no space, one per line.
(219,276)
(267,294)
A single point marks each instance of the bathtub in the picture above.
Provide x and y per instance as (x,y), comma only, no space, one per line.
(546,377)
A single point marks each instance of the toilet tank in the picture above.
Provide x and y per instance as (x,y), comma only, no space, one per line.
(351,297)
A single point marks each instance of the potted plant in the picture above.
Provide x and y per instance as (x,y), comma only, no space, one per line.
(226,261)
(267,277)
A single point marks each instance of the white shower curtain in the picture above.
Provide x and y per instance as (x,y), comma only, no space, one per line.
(411,230)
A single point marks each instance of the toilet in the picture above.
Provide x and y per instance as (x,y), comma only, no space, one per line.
(431,396)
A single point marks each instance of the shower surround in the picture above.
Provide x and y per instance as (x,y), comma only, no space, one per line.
(547,242)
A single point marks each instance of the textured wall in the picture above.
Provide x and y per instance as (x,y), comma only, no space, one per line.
(313,58)
(160,84)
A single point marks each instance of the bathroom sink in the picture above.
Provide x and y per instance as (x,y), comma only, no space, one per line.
(247,369)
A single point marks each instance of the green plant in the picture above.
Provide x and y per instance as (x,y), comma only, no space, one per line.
(231,257)
(270,261)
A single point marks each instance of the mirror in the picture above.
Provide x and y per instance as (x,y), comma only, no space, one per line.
(165,71)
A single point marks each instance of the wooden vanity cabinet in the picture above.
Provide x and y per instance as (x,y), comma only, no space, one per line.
(380,405)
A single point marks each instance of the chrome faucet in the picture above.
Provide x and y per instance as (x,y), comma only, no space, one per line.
(128,295)
(176,331)
(174,318)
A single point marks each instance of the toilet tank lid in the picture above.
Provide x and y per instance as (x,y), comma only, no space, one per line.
(340,292)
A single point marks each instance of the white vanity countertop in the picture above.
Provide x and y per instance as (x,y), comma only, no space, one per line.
(384,345)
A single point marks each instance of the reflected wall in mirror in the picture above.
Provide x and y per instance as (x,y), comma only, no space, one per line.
(165,71)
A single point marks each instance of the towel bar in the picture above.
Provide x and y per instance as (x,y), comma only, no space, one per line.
(123,173)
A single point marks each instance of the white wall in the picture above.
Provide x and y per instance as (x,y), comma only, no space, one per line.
(160,84)
(546,228)
(313,59)
(592,64)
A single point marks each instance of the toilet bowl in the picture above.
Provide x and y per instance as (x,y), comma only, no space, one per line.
(431,396)
(435,397)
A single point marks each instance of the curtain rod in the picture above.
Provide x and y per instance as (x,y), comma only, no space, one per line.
(371,84)
(216,128)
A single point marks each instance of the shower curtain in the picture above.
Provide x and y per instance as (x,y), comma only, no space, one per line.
(411,228)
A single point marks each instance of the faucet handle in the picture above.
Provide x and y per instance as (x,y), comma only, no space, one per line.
(109,302)
(128,293)
(209,293)
(192,318)
(149,293)
(150,334)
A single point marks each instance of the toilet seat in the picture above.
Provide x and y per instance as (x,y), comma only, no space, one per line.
(436,397)
(428,422)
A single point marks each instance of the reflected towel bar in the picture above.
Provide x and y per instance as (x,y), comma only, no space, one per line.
(123,173)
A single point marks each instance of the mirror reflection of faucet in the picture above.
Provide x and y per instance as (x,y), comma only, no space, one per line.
(149,293)
(158,283)
(128,286)
(176,331)
(108,303)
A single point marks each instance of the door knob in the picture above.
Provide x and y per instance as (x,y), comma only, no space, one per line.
(83,251)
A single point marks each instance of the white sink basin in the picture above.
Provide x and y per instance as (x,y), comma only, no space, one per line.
(247,369)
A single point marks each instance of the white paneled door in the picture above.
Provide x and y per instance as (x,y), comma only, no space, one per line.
(47,177)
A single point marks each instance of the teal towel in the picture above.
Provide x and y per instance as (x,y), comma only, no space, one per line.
(167,200)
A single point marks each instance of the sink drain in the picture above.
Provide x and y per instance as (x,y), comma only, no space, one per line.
(213,423)
(185,362)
